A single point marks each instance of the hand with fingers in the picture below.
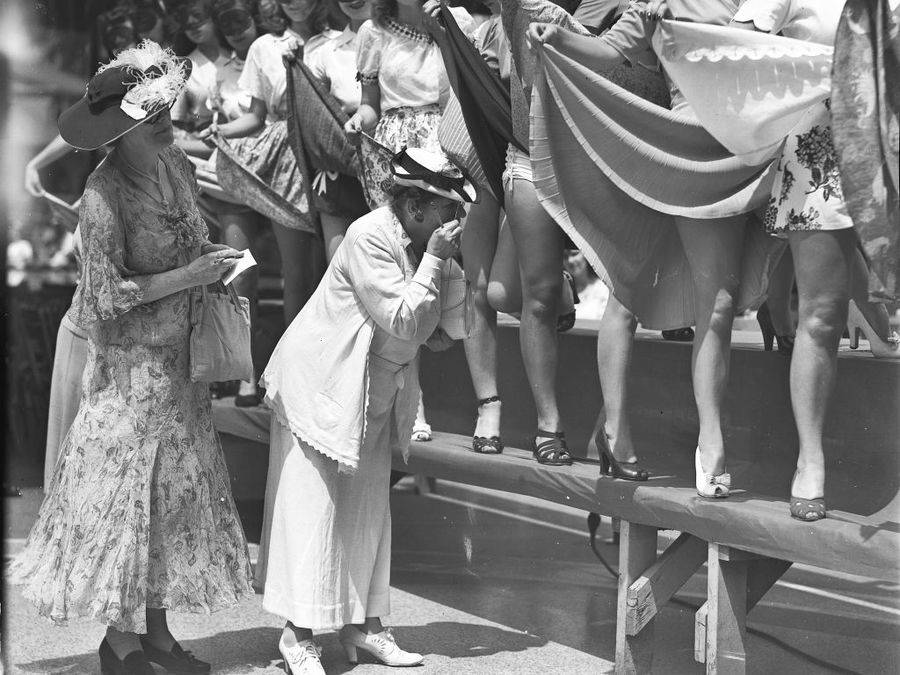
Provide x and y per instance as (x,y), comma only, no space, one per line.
(541,34)
(211,267)
(444,241)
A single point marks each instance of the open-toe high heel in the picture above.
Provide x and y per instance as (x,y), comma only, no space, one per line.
(611,466)
(807,510)
(552,451)
(487,445)
(711,486)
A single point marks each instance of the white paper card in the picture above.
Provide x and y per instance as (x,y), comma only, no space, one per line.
(245,262)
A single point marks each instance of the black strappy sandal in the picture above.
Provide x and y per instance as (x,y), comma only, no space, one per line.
(552,451)
(487,445)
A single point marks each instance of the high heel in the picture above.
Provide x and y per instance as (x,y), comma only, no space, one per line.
(767,328)
(176,660)
(552,451)
(857,324)
(487,445)
(610,466)
(708,485)
(807,510)
(383,646)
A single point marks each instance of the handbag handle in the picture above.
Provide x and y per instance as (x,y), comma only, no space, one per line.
(229,289)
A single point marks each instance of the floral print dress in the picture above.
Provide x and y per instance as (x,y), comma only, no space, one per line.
(139,512)
(807,193)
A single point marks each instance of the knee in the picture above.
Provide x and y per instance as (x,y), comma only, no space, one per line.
(542,296)
(823,319)
(497,298)
(617,314)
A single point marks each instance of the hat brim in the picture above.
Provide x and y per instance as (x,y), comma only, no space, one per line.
(469,196)
(86,131)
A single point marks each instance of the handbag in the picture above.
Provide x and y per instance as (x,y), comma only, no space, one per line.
(457,303)
(220,336)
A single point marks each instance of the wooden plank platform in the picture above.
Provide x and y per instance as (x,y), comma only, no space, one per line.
(747,521)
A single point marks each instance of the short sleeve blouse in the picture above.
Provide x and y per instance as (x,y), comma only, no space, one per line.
(406,64)
(264,75)
(227,97)
(335,65)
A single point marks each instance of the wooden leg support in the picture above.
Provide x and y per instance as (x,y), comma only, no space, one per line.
(737,581)
(637,553)
(656,586)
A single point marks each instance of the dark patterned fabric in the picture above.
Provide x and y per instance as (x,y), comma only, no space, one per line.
(864,111)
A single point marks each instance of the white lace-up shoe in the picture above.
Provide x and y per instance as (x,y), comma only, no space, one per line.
(303,658)
(381,645)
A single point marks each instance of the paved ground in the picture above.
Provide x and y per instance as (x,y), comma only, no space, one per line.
(494,584)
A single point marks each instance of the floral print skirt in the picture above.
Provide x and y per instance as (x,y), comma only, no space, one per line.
(139,511)
(807,193)
(411,127)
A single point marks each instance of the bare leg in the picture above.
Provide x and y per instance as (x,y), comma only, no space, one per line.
(240,231)
(781,284)
(824,261)
(539,247)
(479,243)
(302,264)
(615,343)
(421,430)
(333,230)
(713,249)
(504,289)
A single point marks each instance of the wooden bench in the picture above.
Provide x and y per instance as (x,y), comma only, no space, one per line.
(748,541)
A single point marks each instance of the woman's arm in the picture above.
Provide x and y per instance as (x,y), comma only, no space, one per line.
(207,269)
(54,150)
(590,51)
(192,145)
(367,115)
(245,125)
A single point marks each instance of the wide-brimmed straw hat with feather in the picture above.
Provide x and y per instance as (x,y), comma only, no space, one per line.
(126,92)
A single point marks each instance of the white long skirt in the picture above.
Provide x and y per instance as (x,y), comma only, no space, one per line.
(325,558)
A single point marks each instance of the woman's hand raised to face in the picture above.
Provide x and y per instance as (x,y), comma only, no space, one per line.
(212,266)
(444,241)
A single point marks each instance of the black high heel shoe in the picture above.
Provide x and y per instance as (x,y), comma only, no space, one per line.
(177,660)
(135,663)
(487,445)
(552,451)
(767,328)
(610,466)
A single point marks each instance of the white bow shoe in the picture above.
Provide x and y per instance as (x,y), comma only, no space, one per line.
(708,485)
(381,645)
(303,658)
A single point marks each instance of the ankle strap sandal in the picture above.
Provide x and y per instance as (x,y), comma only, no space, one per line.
(487,445)
(553,450)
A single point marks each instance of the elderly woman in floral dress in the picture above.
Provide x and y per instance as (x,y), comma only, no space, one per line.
(139,518)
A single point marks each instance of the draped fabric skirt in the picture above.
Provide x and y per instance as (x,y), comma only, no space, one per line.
(614,171)
(325,552)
